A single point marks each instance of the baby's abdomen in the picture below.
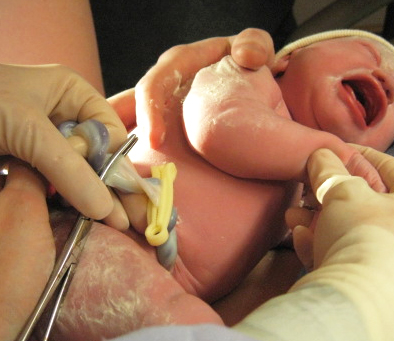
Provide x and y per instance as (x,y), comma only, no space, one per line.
(225,224)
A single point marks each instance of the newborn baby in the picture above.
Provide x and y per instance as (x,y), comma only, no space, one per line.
(255,137)
(225,225)
(342,99)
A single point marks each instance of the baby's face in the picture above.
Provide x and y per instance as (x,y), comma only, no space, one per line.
(344,86)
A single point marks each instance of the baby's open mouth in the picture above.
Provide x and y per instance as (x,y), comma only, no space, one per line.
(366,97)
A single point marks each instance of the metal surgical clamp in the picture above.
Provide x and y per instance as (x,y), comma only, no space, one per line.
(68,259)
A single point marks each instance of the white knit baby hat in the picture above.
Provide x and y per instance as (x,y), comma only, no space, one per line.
(314,38)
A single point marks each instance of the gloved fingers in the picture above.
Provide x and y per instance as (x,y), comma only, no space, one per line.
(29,132)
(60,93)
(76,100)
(302,223)
(124,105)
(173,70)
(118,217)
(324,166)
(253,48)
(295,216)
(136,209)
(382,162)
(349,205)
(43,146)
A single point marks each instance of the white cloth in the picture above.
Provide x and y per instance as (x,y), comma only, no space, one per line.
(315,313)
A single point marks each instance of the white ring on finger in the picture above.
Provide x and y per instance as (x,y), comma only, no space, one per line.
(330,183)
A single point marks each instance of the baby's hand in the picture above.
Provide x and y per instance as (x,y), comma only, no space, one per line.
(252,48)
(358,165)
(302,220)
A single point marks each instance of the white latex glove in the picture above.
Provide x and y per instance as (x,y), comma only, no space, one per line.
(349,293)
(351,240)
(33,101)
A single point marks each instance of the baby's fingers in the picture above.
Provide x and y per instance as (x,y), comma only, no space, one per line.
(358,165)
(382,162)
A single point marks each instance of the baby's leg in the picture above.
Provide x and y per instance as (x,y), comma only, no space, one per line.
(119,287)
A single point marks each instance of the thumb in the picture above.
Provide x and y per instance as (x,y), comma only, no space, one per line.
(253,48)
(44,147)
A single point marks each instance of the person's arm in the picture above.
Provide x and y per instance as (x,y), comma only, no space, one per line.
(27,250)
(47,32)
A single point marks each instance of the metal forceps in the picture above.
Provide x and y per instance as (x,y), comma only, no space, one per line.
(68,259)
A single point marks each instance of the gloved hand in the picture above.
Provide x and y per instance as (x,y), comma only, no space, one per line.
(349,294)
(33,101)
(353,208)
(350,241)
(252,48)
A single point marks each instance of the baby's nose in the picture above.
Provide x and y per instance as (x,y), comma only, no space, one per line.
(387,82)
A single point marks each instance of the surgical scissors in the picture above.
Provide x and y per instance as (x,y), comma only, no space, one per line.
(67,261)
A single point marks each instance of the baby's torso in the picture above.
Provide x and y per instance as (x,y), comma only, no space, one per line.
(225,224)
(224,228)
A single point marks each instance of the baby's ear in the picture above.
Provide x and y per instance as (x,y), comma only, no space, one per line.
(280,65)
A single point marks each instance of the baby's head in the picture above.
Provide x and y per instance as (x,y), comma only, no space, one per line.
(341,82)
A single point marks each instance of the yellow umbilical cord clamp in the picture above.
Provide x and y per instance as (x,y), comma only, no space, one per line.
(159,216)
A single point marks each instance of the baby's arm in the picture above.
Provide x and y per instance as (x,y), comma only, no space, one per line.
(237,120)
(67,37)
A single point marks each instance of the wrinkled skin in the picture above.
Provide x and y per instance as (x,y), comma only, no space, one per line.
(319,87)
(228,103)
(226,224)
(119,282)
(119,287)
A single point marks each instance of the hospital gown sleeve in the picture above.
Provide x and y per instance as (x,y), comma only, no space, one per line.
(316,313)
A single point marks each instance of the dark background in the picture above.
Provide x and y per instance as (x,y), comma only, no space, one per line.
(132,34)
